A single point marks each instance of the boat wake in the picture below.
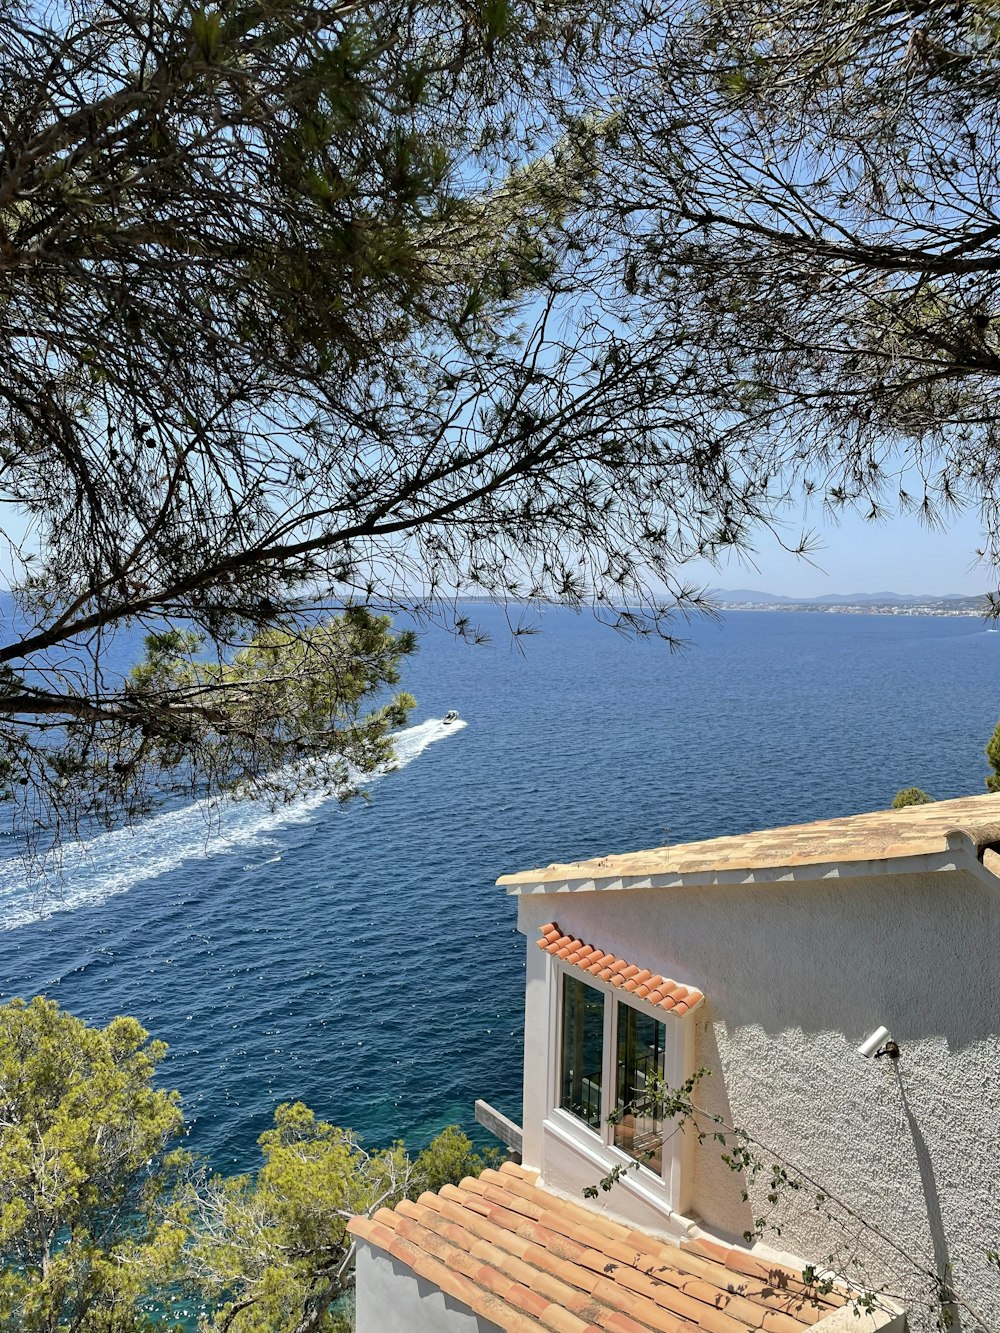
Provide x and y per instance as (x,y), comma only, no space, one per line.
(90,872)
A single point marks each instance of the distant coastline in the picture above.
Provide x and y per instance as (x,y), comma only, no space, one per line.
(844,604)
(863,604)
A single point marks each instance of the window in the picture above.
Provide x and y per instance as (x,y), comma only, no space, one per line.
(619,1037)
(636,1064)
(639,1070)
(582,1051)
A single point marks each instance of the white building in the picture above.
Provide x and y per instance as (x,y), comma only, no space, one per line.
(765,959)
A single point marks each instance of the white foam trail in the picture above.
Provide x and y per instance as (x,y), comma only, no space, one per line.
(90,872)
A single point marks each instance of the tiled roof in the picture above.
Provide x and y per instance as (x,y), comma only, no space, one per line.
(526,1259)
(969,825)
(658,991)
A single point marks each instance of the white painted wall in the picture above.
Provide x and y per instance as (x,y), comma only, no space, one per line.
(537,1019)
(796,976)
(391,1298)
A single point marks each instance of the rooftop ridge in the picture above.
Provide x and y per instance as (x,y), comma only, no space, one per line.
(969,825)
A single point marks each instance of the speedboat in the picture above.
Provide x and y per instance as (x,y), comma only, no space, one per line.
(450,717)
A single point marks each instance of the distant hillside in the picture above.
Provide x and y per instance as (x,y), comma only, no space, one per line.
(747,595)
(885,603)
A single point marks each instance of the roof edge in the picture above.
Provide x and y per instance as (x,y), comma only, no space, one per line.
(974,840)
(961,855)
(660,993)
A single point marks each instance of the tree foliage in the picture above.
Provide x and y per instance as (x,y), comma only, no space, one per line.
(292,315)
(86,1165)
(449,1158)
(332,304)
(272,1252)
(104,1220)
(911,796)
(312,704)
(993,755)
(809,214)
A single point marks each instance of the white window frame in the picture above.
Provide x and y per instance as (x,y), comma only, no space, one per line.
(664,1188)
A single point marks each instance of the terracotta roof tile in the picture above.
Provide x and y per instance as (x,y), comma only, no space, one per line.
(969,825)
(658,991)
(527,1259)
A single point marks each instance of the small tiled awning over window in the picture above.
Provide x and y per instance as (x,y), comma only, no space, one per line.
(661,992)
(525,1259)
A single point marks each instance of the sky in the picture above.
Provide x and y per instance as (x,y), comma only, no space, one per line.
(899,555)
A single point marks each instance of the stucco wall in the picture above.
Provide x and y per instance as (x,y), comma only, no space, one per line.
(391,1298)
(796,976)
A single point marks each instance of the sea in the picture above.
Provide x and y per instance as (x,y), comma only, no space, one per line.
(360,957)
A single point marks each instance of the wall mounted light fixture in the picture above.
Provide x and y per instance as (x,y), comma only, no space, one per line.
(878,1044)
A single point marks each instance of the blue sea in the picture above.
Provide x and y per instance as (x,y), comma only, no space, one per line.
(361,958)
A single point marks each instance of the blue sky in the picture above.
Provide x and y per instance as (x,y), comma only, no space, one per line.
(899,555)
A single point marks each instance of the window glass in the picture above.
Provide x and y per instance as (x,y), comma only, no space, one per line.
(641,1042)
(582,1051)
